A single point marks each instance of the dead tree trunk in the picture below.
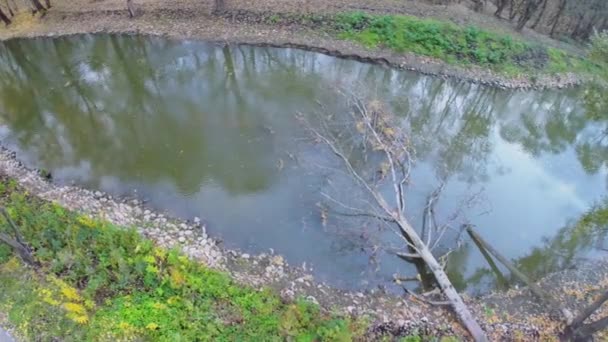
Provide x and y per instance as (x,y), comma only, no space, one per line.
(130,8)
(37,6)
(530,7)
(460,308)
(218,6)
(500,6)
(558,16)
(376,130)
(513,10)
(535,289)
(502,281)
(578,331)
(540,14)
(4,18)
(10,10)
(17,243)
(478,5)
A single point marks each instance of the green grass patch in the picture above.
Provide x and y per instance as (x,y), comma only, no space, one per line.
(455,44)
(99,282)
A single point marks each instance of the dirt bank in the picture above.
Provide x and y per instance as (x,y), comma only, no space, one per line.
(240,23)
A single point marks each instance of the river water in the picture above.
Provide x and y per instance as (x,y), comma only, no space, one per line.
(205,130)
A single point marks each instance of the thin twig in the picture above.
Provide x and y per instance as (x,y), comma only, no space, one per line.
(428,301)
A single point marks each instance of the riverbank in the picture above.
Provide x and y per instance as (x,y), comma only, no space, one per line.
(502,315)
(388,314)
(509,64)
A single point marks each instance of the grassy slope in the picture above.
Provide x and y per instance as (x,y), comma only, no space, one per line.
(98,282)
(448,42)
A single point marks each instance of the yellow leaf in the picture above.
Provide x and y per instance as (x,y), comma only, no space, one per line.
(173,300)
(160,253)
(152,326)
(70,293)
(124,325)
(81,319)
(389,131)
(75,308)
(11,265)
(149,259)
(51,301)
(89,304)
(177,278)
(86,221)
(159,306)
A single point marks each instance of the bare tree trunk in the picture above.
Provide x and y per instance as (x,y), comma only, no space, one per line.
(579,27)
(4,18)
(21,250)
(590,309)
(502,281)
(461,309)
(48,4)
(37,6)
(585,333)
(513,10)
(394,148)
(218,6)
(540,15)
(8,7)
(130,8)
(577,331)
(17,244)
(558,16)
(478,5)
(535,289)
(530,7)
(500,6)
(586,33)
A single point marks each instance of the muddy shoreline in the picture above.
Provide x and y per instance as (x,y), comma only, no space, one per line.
(248,27)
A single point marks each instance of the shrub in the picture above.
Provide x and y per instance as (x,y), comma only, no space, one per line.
(599,47)
(101,282)
(452,43)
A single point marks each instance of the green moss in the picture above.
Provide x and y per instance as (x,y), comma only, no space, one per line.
(100,282)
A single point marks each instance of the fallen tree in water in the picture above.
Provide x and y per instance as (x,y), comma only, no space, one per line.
(370,130)
(576,328)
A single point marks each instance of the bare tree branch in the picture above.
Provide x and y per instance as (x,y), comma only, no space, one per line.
(422,299)
(377,130)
